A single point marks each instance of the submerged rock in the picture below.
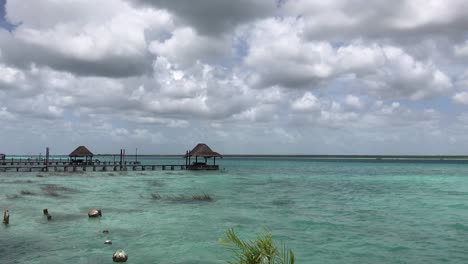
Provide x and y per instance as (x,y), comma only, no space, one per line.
(120,256)
(94,213)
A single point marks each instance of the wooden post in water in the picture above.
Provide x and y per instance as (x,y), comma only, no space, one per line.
(6,217)
(47,160)
(121,159)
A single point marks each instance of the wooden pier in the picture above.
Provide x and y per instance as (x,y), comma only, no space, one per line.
(60,166)
(82,159)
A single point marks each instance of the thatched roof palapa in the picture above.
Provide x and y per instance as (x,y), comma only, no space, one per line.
(202,150)
(81,151)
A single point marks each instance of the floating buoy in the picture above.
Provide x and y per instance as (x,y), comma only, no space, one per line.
(94,213)
(105,231)
(120,256)
(6,217)
(108,242)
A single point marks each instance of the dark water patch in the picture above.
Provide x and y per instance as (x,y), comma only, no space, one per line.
(106,210)
(19,182)
(459,206)
(111,174)
(239,220)
(283,183)
(40,176)
(57,191)
(26,192)
(155,183)
(13,196)
(202,197)
(188,199)
(156,196)
(182,198)
(457,193)
(398,249)
(283,202)
(14,249)
(178,199)
(459,227)
(54,194)
(57,188)
(63,173)
(64,217)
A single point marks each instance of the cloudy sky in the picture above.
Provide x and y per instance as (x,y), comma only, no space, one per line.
(244,76)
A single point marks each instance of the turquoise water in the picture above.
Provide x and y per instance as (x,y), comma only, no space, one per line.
(326,211)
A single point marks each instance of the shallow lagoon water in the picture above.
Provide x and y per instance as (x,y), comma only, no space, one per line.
(327,211)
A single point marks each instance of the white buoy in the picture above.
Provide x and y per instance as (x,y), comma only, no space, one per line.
(120,256)
(108,242)
(94,213)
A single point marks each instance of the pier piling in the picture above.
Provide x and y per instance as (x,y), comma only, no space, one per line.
(6,217)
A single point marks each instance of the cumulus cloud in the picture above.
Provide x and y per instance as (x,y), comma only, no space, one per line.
(215,17)
(186,47)
(461,50)
(280,55)
(396,20)
(107,41)
(354,101)
(304,75)
(308,102)
(461,97)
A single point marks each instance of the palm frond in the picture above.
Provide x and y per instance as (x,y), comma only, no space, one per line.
(261,251)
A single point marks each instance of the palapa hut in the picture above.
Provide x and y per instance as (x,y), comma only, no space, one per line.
(81,155)
(201,151)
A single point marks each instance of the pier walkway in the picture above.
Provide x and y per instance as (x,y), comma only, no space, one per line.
(30,166)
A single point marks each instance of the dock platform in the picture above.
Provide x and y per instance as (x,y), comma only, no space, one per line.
(30,166)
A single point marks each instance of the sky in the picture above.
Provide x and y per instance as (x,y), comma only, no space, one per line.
(244,76)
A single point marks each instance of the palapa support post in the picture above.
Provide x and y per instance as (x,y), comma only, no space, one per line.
(47,160)
(121,158)
(6,217)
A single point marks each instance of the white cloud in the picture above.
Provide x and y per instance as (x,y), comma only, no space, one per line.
(106,40)
(354,101)
(280,55)
(461,97)
(185,47)
(306,74)
(308,102)
(461,50)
